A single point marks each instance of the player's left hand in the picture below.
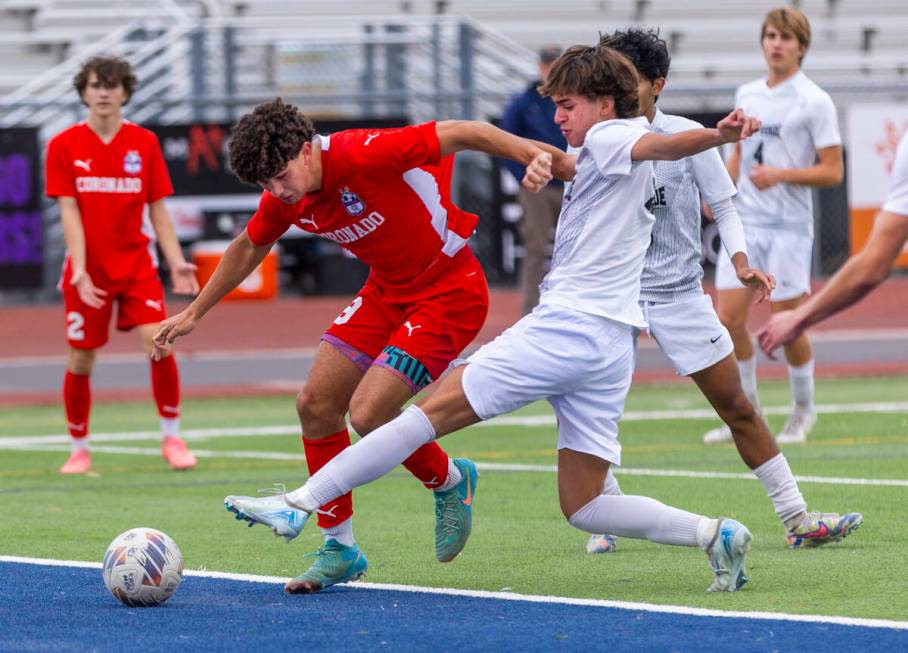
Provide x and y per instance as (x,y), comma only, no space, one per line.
(758,280)
(539,173)
(182,276)
(781,329)
(169,330)
(764,176)
(737,126)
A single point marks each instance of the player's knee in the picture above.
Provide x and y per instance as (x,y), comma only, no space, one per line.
(738,409)
(317,414)
(365,418)
(81,361)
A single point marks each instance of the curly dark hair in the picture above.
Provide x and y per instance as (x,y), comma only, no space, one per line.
(595,71)
(264,141)
(111,72)
(644,47)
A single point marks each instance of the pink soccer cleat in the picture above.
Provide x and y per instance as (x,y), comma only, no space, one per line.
(78,462)
(176,453)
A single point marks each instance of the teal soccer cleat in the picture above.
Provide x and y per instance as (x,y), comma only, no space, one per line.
(274,512)
(819,528)
(727,554)
(334,563)
(454,513)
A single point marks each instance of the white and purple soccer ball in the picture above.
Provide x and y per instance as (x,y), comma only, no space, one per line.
(142,567)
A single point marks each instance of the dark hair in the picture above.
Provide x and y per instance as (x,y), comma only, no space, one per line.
(111,72)
(644,47)
(594,72)
(264,141)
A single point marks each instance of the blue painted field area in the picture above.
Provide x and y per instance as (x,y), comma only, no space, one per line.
(46,608)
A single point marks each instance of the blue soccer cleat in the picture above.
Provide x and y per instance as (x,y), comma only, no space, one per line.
(602,543)
(334,563)
(454,513)
(818,528)
(727,554)
(274,512)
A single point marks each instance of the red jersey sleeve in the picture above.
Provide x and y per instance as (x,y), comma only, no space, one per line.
(393,149)
(59,180)
(159,178)
(270,221)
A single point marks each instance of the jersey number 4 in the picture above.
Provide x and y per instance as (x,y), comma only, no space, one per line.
(758,153)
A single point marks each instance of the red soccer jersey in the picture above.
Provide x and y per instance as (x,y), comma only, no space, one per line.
(112,183)
(385,197)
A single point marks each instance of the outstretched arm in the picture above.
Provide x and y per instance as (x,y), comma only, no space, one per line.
(731,129)
(861,274)
(457,135)
(181,271)
(239,260)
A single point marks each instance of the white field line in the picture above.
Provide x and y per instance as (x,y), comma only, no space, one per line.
(484,466)
(512,596)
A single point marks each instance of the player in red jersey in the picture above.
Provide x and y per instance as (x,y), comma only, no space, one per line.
(103,172)
(384,195)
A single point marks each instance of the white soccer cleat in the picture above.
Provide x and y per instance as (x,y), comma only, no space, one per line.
(797,427)
(719,435)
(603,543)
(727,555)
(274,512)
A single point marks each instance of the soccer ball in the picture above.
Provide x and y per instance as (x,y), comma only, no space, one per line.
(142,567)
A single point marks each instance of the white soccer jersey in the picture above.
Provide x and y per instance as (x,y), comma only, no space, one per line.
(672,271)
(604,228)
(897,200)
(799,118)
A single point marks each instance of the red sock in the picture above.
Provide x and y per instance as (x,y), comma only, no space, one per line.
(165,385)
(318,453)
(429,464)
(77,400)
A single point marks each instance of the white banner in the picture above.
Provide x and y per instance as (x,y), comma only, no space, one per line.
(874,131)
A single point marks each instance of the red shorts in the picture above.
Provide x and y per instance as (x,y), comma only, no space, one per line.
(139,301)
(419,338)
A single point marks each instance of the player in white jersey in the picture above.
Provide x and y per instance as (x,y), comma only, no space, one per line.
(798,148)
(864,272)
(680,315)
(576,349)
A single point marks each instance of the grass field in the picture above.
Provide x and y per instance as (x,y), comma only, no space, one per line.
(520,540)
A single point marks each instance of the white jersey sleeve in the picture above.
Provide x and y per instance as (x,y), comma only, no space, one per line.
(610,144)
(712,176)
(897,200)
(823,122)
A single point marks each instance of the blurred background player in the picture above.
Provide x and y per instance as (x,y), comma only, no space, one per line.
(103,172)
(680,315)
(384,195)
(861,274)
(798,148)
(532,116)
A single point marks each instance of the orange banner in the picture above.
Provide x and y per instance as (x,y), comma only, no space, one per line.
(861,225)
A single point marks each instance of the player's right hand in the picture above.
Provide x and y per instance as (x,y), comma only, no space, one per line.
(539,173)
(737,126)
(169,330)
(89,293)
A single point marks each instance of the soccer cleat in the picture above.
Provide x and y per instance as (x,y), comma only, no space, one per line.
(334,563)
(273,511)
(176,453)
(79,462)
(797,427)
(817,529)
(604,543)
(718,435)
(454,513)
(727,554)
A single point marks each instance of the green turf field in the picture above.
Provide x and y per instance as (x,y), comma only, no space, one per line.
(520,540)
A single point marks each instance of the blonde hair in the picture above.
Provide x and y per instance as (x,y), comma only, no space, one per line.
(791,20)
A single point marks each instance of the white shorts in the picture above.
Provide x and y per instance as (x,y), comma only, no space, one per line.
(783,254)
(689,333)
(580,362)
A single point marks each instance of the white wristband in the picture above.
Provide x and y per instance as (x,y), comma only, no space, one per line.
(731,229)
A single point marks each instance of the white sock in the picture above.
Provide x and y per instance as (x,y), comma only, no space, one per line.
(783,491)
(611,486)
(454,477)
(78,444)
(801,380)
(642,518)
(369,459)
(748,371)
(170,426)
(343,532)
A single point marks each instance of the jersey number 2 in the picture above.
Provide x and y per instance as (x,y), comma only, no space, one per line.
(74,323)
(348,312)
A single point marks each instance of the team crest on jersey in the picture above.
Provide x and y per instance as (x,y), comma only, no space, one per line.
(352,202)
(132,162)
